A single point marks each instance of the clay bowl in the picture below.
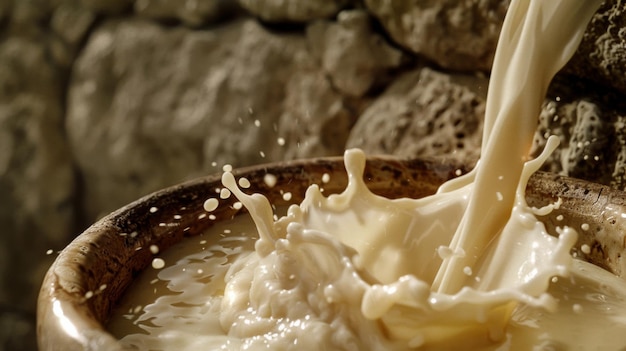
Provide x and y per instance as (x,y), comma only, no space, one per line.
(104,259)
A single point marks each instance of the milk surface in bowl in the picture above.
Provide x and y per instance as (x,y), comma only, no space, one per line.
(192,320)
(114,259)
(92,273)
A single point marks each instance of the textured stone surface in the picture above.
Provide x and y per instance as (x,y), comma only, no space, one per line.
(5,10)
(590,125)
(354,56)
(293,10)
(150,106)
(459,35)
(108,7)
(315,120)
(23,17)
(190,12)
(424,113)
(71,20)
(36,179)
(601,56)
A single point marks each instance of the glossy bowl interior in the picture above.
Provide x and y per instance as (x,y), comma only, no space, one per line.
(102,262)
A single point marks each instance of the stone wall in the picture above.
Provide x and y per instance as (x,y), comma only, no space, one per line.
(103,101)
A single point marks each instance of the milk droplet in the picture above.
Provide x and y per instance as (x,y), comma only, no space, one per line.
(153,209)
(467,270)
(154,249)
(584,226)
(280,141)
(237,205)
(158,263)
(325,178)
(287,196)
(270,180)
(244,183)
(577,308)
(585,249)
(227,168)
(211,204)
(444,252)
(224,193)
(49,252)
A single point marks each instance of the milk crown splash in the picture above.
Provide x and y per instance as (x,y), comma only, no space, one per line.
(453,264)
(380,256)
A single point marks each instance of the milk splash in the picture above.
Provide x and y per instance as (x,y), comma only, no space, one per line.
(356,271)
(359,270)
(353,262)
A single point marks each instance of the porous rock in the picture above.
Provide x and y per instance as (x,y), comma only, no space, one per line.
(36,178)
(425,113)
(315,120)
(190,12)
(108,7)
(150,106)
(458,35)
(293,10)
(355,57)
(70,23)
(590,125)
(24,17)
(601,56)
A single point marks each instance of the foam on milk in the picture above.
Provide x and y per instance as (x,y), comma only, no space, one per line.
(357,271)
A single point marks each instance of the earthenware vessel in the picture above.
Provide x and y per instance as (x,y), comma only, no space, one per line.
(91,273)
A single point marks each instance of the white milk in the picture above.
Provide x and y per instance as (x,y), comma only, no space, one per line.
(310,294)
(468,268)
